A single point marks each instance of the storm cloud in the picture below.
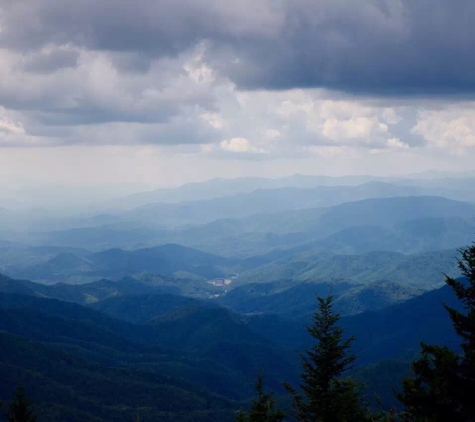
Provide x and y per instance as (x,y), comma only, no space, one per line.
(375,47)
(255,81)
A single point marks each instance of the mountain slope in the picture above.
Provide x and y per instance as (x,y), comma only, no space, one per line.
(382,334)
(261,201)
(90,292)
(165,260)
(459,188)
(111,342)
(297,300)
(424,270)
(367,225)
(140,309)
(220,187)
(260,233)
(389,332)
(69,389)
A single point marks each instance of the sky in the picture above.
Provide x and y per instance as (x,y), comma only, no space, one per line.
(163,92)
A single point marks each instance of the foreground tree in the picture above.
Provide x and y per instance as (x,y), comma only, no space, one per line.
(19,409)
(325,395)
(263,407)
(442,384)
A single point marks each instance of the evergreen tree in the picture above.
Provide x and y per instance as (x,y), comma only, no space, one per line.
(327,396)
(19,409)
(442,382)
(263,407)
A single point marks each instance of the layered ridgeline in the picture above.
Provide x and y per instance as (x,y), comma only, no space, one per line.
(183,270)
(166,305)
(94,367)
(53,264)
(405,224)
(458,187)
(176,358)
(245,223)
(55,199)
(297,245)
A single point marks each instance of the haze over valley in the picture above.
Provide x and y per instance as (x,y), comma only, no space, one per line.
(248,211)
(215,268)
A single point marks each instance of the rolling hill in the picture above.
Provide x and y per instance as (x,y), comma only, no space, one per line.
(254,234)
(381,334)
(406,224)
(109,342)
(261,201)
(89,293)
(67,388)
(297,300)
(70,266)
(423,270)
(453,186)
(163,342)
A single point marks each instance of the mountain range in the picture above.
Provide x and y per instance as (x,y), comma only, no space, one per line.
(165,305)
(159,343)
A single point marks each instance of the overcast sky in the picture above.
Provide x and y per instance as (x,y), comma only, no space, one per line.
(170,91)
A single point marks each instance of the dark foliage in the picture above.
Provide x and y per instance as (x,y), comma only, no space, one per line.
(263,407)
(325,395)
(19,408)
(442,384)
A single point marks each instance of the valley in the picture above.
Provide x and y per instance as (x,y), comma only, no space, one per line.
(192,300)
(237,211)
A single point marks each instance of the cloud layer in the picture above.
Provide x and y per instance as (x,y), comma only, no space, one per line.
(257,80)
(396,47)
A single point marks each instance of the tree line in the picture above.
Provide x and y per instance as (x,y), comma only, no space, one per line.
(440,387)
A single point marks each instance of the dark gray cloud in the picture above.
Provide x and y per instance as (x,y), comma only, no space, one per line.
(50,62)
(132,62)
(379,47)
(214,77)
(53,92)
(155,27)
(407,47)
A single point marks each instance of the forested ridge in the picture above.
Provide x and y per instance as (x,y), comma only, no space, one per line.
(237,211)
(73,362)
(149,314)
